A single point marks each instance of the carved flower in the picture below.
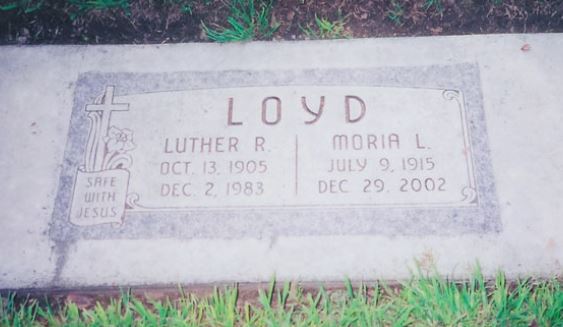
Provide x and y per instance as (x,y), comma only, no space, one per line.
(119,140)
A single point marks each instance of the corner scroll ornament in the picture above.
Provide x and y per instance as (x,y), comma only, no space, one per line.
(451,95)
(469,195)
(102,181)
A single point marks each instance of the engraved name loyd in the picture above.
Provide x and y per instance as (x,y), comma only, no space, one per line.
(282,146)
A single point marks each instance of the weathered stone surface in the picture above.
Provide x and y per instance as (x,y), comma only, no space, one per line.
(201,163)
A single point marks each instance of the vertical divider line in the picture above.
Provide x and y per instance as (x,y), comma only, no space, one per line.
(296,164)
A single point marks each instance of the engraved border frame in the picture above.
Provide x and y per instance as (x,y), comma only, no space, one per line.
(265,222)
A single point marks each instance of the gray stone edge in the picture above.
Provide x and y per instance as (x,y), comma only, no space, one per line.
(259,223)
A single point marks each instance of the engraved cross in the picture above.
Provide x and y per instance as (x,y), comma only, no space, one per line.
(106,107)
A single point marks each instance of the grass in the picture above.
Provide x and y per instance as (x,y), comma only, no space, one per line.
(437,4)
(396,12)
(248,20)
(78,7)
(186,6)
(425,300)
(21,6)
(83,6)
(324,28)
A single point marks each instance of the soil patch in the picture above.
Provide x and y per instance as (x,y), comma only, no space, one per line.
(161,21)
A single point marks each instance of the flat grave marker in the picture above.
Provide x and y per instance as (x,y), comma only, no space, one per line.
(314,146)
(151,169)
